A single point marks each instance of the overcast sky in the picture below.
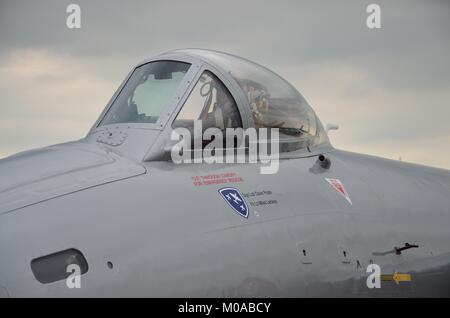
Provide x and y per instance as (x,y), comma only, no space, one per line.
(388,88)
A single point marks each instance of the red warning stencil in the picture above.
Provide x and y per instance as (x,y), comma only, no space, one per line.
(339,187)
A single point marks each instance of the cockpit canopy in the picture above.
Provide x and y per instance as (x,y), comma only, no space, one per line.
(221,90)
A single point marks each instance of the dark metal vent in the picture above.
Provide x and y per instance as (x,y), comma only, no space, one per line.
(51,268)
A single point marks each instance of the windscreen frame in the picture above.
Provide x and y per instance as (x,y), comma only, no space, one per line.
(183,87)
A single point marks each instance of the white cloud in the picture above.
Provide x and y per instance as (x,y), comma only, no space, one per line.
(378,119)
(388,89)
(49,98)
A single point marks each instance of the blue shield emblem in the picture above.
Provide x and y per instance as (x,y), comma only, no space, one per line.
(235,200)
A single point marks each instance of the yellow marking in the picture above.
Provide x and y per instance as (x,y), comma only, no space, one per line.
(386,278)
(401,277)
(396,277)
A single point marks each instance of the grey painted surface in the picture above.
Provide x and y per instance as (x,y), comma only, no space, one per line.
(167,237)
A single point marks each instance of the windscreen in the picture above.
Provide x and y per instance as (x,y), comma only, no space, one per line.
(147,93)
